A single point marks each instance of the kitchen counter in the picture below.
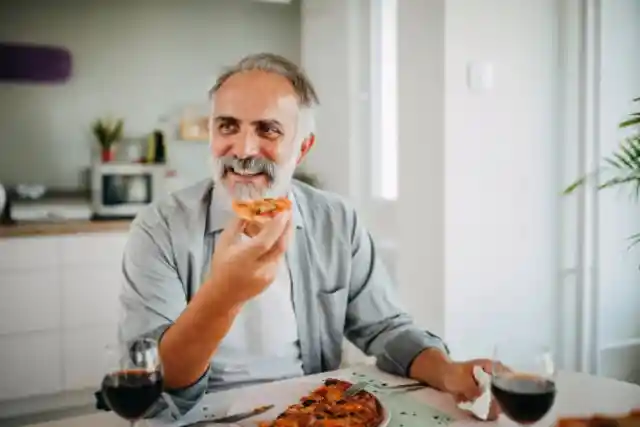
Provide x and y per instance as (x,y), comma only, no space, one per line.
(55,228)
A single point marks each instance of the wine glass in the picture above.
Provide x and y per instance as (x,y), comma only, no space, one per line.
(523,381)
(133,382)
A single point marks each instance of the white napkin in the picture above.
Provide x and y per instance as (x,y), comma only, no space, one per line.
(480,407)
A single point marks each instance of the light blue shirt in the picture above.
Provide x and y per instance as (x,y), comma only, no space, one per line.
(339,285)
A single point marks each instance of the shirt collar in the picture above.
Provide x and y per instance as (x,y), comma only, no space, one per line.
(219,216)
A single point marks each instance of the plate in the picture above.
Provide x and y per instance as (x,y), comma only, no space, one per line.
(281,395)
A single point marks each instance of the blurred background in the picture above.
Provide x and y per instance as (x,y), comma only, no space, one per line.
(453,126)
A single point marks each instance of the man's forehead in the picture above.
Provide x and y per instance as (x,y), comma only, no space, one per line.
(255,94)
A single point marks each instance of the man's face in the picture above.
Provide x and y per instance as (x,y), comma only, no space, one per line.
(254,137)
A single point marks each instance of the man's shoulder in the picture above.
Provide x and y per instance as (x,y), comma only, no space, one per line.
(180,207)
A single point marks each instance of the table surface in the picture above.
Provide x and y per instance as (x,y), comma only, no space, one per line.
(578,394)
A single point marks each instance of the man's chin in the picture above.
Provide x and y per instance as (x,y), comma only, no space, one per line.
(238,191)
(260,188)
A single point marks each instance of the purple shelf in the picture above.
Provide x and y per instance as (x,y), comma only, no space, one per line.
(30,63)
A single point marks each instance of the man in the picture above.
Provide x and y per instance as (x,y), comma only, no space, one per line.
(229,310)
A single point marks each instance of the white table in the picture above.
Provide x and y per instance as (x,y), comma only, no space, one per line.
(577,394)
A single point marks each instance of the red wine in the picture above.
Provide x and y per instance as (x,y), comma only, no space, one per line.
(131,393)
(524,399)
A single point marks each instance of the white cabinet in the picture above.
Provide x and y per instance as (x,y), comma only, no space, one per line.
(84,360)
(89,296)
(58,311)
(30,364)
(29,300)
(27,254)
(96,250)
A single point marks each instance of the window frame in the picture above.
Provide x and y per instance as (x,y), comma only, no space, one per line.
(383,68)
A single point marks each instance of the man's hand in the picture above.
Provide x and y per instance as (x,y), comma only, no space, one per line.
(459,381)
(242,269)
(434,368)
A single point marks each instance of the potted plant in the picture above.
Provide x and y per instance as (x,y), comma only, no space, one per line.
(108,133)
(622,167)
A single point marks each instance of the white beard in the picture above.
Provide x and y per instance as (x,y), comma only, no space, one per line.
(279,187)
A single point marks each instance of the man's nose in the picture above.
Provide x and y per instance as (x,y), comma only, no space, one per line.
(247,145)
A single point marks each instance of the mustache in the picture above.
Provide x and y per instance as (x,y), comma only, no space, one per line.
(251,165)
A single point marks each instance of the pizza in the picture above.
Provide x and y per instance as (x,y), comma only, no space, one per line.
(632,419)
(258,212)
(327,406)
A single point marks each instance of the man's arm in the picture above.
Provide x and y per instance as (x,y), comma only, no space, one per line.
(378,326)
(185,355)
(154,305)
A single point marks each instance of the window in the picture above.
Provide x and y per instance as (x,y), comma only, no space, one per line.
(384,103)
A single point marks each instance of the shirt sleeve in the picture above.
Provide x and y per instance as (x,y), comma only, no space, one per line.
(375,322)
(152,298)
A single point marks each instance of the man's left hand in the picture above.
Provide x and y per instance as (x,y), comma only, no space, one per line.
(434,368)
(459,381)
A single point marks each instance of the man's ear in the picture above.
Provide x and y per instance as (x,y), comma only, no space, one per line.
(306,146)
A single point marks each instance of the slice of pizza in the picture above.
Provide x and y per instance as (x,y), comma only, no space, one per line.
(258,212)
(329,406)
(632,419)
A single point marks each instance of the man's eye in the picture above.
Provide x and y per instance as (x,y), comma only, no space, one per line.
(227,128)
(269,131)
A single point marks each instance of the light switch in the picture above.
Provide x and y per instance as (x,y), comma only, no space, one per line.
(480,76)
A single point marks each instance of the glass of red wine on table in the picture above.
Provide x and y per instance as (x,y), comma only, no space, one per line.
(523,382)
(133,382)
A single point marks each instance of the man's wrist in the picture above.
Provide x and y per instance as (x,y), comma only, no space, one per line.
(221,297)
(431,367)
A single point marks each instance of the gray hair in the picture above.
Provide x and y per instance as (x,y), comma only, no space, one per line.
(272,63)
(277,64)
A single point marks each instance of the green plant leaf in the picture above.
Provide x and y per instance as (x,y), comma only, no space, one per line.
(574,186)
(634,240)
(633,161)
(631,122)
(108,132)
(612,163)
(620,180)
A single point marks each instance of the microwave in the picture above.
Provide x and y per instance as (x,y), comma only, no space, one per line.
(120,190)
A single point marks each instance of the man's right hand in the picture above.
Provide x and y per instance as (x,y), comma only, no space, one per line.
(243,268)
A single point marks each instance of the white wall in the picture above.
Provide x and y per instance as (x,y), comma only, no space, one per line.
(478,190)
(478,195)
(335,55)
(143,60)
(421,161)
(501,178)
(618,216)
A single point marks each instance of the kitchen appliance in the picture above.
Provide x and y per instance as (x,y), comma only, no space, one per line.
(3,197)
(5,206)
(120,190)
(53,209)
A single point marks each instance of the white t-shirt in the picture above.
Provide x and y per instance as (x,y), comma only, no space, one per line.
(262,343)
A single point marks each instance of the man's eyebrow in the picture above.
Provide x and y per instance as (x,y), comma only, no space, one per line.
(225,119)
(267,122)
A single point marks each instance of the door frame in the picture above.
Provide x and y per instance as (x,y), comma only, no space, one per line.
(578,296)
